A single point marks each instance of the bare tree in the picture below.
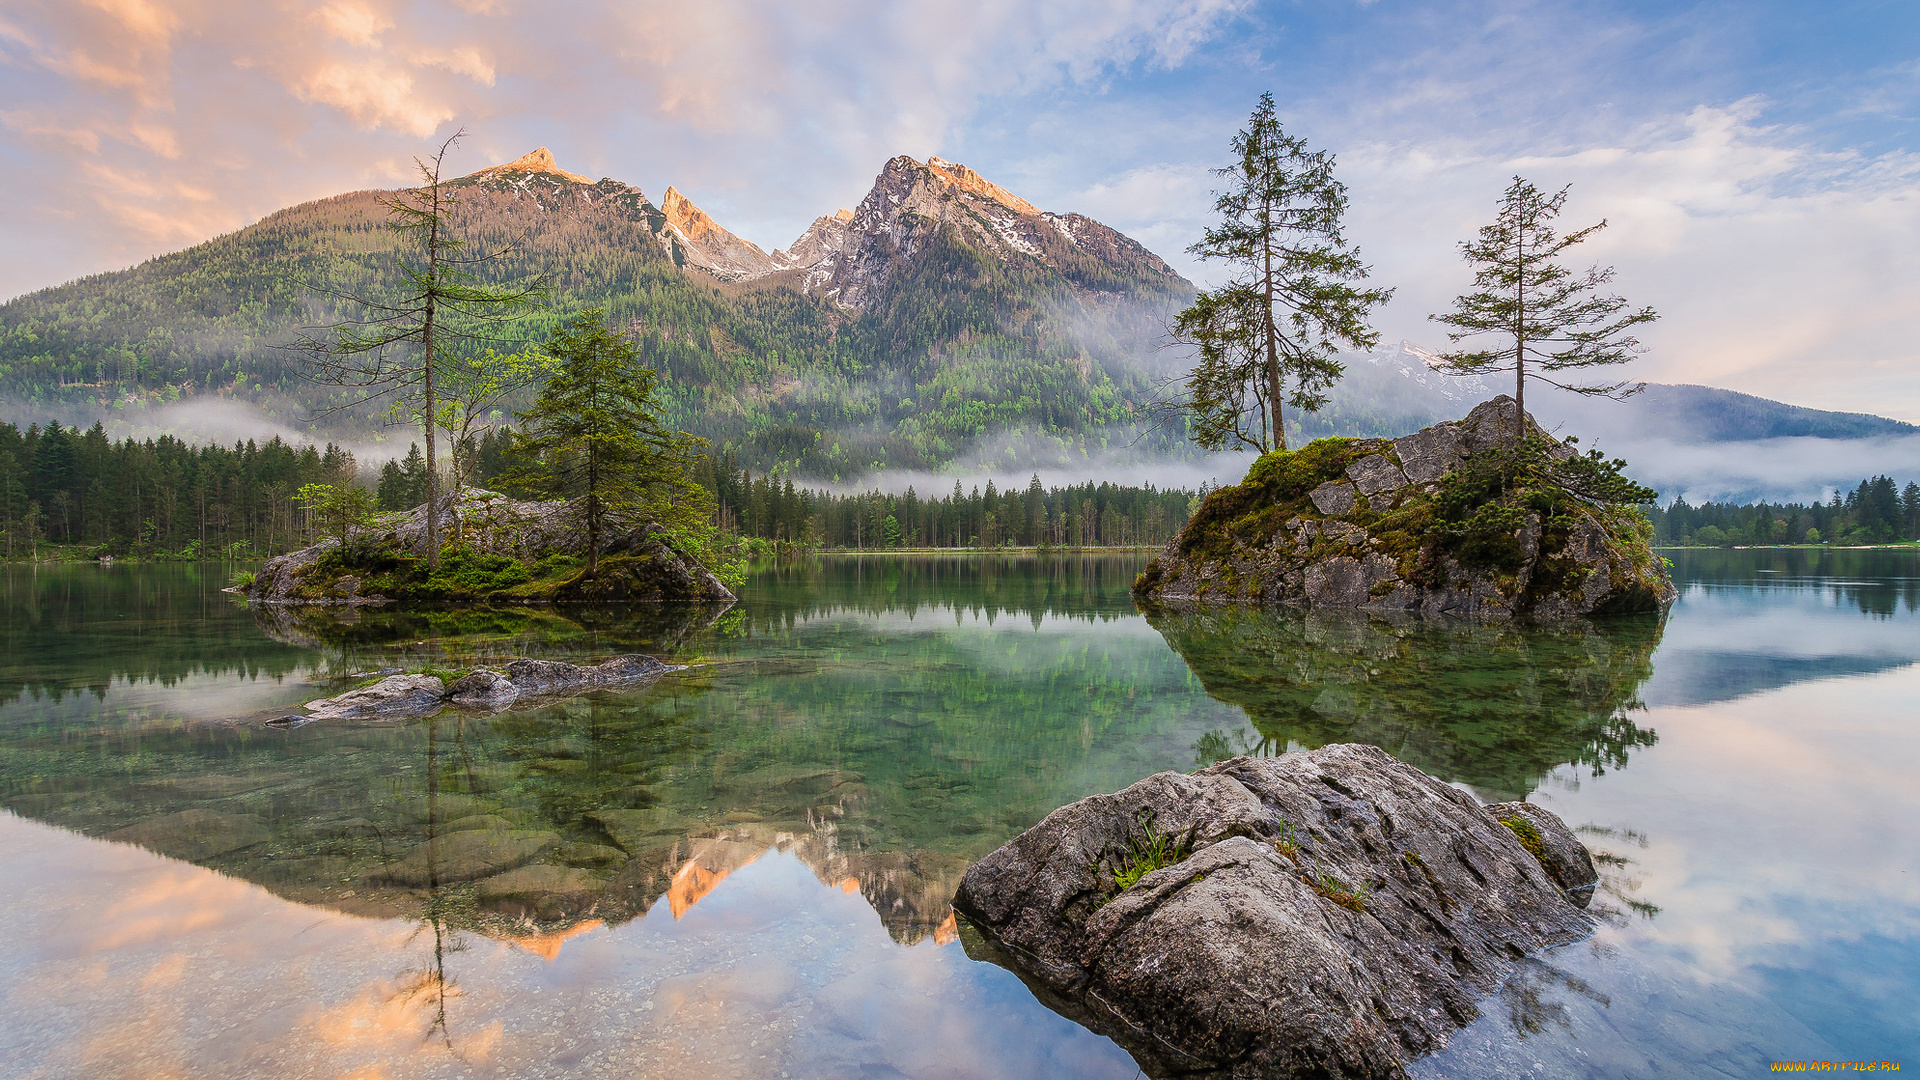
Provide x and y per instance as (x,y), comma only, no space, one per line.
(398,347)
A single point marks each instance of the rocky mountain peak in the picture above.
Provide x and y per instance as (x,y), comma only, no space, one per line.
(693,238)
(967,180)
(535,161)
(688,218)
(847,255)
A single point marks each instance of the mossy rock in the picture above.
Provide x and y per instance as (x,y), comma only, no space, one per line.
(1446,520)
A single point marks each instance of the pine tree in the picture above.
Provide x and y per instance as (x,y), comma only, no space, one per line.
(594,434)
(1271,336)
(1555,320)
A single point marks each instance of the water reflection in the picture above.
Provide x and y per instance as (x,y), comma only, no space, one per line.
(1497,707)
(745,867)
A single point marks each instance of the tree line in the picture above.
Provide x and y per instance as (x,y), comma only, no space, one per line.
(80,489)
(1878,511)
(83,493)
(1081,516)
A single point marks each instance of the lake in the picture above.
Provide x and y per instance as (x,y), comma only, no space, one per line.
(743,869)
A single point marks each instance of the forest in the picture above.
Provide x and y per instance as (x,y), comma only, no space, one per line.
(1878,511)
(78,494)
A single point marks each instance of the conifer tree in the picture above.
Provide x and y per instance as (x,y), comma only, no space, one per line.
(398,349)
(1553,319)
(594,434)
(1270,337)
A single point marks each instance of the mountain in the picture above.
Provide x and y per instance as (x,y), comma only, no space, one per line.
(849,256)
(943,317)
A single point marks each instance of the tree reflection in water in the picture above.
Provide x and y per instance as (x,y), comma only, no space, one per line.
(1494,706)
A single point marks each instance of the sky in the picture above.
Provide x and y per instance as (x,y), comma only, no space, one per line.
(1757,163)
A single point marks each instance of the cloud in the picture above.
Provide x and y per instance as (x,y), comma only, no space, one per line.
(1771,262)
(1777,241)
(767,112)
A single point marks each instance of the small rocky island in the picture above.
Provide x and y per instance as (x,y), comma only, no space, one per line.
(1431,522)
(498,550)
(1332,913)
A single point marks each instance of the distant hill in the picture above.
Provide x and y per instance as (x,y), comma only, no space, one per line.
(940,315)
(1697,441)
(1398,389)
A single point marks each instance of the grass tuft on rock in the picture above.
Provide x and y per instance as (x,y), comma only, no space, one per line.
(1149,849)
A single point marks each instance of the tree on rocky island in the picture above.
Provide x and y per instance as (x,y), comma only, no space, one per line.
(1290,303)
(1550,315)
(594,433)
(399,347)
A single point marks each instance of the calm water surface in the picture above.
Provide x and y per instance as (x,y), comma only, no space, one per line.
(743,870)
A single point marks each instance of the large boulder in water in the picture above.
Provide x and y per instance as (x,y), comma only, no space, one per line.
(1413,524)
(1332,913)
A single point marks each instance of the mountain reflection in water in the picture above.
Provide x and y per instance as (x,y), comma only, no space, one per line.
(744,868)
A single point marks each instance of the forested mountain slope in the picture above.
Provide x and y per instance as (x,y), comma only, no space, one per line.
(943,312)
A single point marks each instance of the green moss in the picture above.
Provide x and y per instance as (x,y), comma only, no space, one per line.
(1476,518)
(1529,836)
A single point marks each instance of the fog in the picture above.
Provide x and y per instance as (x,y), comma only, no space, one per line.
(206,420)
(1776,470)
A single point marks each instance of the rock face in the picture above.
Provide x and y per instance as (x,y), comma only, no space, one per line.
(1356,523)
(637,563)
(850,256)
(1323,914)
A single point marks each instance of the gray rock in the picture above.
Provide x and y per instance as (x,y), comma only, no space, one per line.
(1374,473)
(1566,860)
(483,689)
(1333,497)
(1597,564)
(1346,581)
(464,856)
(1351,535)
(392,698)
(1429,454)
(1340,912)
(555,677)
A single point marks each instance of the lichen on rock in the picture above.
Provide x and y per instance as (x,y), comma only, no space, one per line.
(1438,521)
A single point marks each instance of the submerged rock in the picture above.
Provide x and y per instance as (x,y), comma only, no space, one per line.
(464,856)
(1370,523)
(482,688)
(195,834)
(1325,914)
(404,696)
(392,698)
(555,677)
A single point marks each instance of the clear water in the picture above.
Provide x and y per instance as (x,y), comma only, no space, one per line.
(748,863)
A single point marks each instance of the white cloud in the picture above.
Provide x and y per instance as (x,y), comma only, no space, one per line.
(1778,269)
